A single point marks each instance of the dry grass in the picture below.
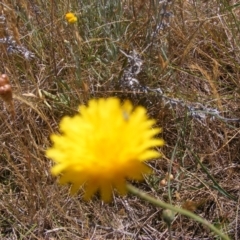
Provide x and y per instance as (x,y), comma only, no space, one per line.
(194,59)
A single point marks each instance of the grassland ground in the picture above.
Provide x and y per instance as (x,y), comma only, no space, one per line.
(179,59)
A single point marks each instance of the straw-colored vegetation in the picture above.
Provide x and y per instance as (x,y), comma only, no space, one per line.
(179,59)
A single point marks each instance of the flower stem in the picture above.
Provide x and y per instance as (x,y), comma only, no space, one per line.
(182,211)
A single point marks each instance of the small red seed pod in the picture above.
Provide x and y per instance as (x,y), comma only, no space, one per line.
(2,82)
(4,79)
(6,93)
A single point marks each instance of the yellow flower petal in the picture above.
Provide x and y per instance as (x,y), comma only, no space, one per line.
(103,146)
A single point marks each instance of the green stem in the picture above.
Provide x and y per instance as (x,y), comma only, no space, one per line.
(182,211)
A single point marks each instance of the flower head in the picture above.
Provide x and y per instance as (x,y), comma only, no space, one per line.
(103,146)
(70,17)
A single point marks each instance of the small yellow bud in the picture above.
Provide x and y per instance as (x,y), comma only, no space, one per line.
(71,18)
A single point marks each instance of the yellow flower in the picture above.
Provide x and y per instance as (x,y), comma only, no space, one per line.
(70,17)
(103,146)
